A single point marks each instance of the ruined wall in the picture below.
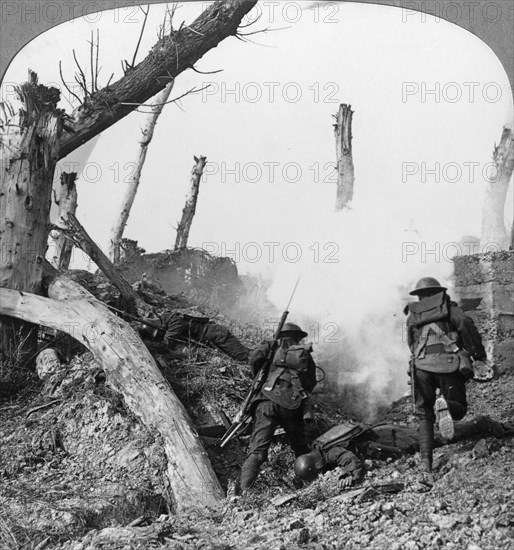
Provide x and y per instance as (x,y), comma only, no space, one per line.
(484,287)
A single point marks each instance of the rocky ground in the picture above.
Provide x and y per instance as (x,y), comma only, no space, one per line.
(78,472)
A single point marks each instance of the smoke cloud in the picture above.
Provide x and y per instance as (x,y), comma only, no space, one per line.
(352,307)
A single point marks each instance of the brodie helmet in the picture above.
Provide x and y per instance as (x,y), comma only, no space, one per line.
(290,328)
(426,283)
(307,466)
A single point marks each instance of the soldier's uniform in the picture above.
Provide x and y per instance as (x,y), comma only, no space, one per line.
(441,338)
(348,445)
(185,325)
(291,378)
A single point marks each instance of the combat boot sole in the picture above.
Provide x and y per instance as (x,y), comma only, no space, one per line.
(444,418)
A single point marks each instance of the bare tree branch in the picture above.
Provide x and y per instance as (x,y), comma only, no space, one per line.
(171,55)
(66,86)
(82,83)
(191,91)
(140,35)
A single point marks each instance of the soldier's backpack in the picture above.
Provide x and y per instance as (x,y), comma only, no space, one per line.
(338,435)
(431,317)
(294,357)
(283,385)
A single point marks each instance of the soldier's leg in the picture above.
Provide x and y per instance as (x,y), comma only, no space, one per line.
(425,388)
(294,426)
(223,339)
(453,388)
(482,425)
(265,422)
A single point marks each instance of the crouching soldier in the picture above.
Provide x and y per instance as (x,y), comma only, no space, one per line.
(181,326)
(348,445)
(441,338)
(291,378)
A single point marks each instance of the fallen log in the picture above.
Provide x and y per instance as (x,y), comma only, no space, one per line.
(131,371)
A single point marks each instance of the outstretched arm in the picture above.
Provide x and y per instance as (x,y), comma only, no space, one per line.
(468,333)
(351,465)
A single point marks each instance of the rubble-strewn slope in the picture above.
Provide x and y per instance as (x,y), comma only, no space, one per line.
(77,472)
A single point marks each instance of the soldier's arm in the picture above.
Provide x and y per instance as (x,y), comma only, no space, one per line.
(468,332)
(174,329)
(308,379)
(350,464)
(258,356)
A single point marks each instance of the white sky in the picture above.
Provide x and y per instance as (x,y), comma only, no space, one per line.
(365,55)
(353,264)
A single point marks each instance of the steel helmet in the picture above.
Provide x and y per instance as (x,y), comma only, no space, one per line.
(427,283)
(307,466)
(290,328)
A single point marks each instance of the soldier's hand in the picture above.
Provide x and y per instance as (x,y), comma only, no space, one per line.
(345,482)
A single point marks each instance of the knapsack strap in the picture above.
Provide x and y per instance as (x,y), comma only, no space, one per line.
(449,344)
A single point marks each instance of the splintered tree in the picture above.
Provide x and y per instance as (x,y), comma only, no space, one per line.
(29,150)
(67,203)
(120,221)
(493,216)
(345,170)
(35,136)
(189,209)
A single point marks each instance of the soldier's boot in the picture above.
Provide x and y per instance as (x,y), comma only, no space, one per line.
(485,424)
(426,446)
(444,418)
(250,471)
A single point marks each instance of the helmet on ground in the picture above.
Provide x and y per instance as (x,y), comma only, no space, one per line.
(307,466)
(290,328)
(427,283)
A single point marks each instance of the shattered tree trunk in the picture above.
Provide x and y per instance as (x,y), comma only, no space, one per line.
(345,169)
(67,202)
(493,210)
(29,149)
(131,371)
(189,209)
(33,141)
(82,239)
(120,221)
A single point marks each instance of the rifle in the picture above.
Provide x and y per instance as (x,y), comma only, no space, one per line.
(412,383)
(245,414)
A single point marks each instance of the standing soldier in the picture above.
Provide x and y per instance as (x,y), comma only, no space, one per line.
(441,338)
(291,378)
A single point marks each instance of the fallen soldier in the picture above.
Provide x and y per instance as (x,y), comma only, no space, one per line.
(348,445)
(182,326)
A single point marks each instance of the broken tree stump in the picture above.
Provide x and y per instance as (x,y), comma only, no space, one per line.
(67,202)
(493,229)
(130,370)
(120,221)
(345,169)
(31,131)
(189,209)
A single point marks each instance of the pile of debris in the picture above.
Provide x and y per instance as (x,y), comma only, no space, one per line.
(79,472)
